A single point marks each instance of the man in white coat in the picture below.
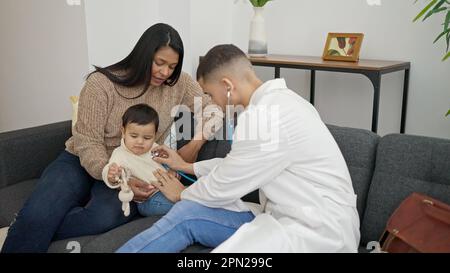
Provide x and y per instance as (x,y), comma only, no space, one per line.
(281,147)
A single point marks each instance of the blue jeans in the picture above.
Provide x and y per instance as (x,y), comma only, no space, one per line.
(158,204)
(187,223)
(67,202)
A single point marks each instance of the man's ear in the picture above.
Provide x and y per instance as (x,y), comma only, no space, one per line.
(123,132)
(228,84)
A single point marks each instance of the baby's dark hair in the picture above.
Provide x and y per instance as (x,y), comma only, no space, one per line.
(141,114)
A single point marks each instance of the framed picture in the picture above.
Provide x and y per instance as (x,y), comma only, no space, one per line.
(343,47)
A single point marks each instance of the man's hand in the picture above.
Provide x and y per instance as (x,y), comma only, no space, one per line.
(174,173)
(172,159)
(142,190)
(169,185)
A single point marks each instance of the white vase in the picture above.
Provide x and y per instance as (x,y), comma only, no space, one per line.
(257,44)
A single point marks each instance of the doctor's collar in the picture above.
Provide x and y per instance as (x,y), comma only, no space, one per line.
(267,86)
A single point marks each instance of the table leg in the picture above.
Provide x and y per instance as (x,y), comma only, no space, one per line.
(376,81)
(312,89)
(277,72)
(375,78)
(404,101)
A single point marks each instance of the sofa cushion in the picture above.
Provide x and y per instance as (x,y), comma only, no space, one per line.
(358,147)
(12,199)
(107,242)
(63,246)
(27,152)
(363,249)
(405,164)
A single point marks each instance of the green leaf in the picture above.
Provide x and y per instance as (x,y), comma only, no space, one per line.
(446,24)
(439,4)
(447,20)
(440,35)
(259,3)
(448,41)
(333,52)
(424,10)
(448,113)
(436,9)
(446,56)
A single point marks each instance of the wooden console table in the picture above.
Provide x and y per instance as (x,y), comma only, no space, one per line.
(372,69)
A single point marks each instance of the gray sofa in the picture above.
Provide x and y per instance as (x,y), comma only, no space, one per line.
(384,171)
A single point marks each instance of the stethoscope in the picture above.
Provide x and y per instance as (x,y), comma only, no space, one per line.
(229,118)
(229,129)
(156,154)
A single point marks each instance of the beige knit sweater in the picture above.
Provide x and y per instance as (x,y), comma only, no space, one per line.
(97,131)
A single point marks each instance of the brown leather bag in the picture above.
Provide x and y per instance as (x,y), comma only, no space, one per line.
(419,224)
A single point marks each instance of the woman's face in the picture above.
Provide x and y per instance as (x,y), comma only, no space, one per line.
(164,63)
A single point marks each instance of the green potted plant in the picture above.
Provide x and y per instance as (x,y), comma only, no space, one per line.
(435,7)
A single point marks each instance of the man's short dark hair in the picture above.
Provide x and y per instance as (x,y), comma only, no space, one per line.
(141,114)
(217,57)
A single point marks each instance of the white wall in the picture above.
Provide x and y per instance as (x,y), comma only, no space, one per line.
(114,27)
(178,14)
(37,44)
(43,53)
(300,28)
(211,24)
(55,44)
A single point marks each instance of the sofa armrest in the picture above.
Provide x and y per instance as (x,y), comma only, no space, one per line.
(25,153)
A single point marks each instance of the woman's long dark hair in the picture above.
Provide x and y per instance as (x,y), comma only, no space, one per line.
(137,66)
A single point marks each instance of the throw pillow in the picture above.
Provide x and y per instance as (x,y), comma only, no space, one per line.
(74,100)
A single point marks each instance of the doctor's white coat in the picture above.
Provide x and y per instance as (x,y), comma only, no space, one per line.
(282,147)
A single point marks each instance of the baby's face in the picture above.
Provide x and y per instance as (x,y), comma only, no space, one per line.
(139,138)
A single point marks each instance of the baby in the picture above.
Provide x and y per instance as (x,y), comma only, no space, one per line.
(133,158)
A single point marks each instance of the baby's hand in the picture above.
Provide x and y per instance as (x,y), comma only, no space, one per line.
(114,173)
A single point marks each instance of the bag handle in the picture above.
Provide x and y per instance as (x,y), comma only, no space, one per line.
(436,212)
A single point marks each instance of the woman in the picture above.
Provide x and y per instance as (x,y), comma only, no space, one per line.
(70,199)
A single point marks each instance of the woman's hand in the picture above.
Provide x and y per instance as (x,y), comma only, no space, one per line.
(172,159)
(169,185)
(142,190)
